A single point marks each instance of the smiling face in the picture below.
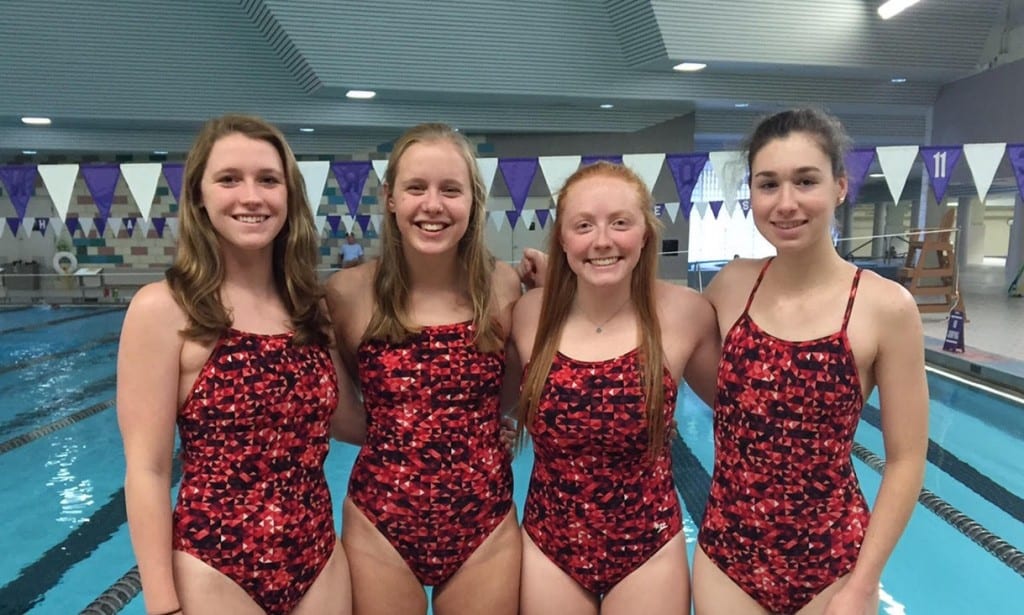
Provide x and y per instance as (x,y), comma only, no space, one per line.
(602,230)
(793,192)
(431,198)
(244,192)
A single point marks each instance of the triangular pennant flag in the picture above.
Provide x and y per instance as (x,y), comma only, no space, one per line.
(497,219)
(377,220)
(647,166)
(333,221)
(513,217)
(40,224)
(173,173)
(686,170)
(730,167)
(1015,153)
(20,181)
(940,161)
(349,222)
(172,226)
(55,225)
(686,208)
(114,226)
(14,224)
(488,167)
(141,228)
(320,222)
(101,179)
(554,213)
(983,160)
(142,179)
(73,225)
(745,206)
(858,162)
(542,217)
(314,178)
(716,206)
(527,218)
(59,180)
(896,162)
(100,224)
(86,224)
(591,159)
(518,174)
(159,224)
(128,224)
(364,222)
(351,178)
(672,209)
(730,209)
(702,208)
(3,228)
(380,167)
(556,170)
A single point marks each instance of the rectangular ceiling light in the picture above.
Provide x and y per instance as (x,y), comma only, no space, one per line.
(894,7)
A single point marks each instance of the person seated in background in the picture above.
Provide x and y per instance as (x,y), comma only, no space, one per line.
(351,252)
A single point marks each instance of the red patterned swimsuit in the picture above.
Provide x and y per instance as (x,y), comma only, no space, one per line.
(786,516)
(433,475)
(597,505)
(255,430)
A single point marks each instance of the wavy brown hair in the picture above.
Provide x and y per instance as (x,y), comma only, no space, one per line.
(390,321)
(560,292)
(196,276)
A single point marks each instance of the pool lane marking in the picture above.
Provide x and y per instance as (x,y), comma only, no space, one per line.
(57,321)
(43,358)
(19,441)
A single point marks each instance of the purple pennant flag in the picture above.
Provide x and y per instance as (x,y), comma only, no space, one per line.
(745,206)
(128,224)
(364,221)
(351,178)
(716,206)
(73,225)
(14,224)
(334,221)
(941,162)
(100,223)
(40,224)
(1015,153)
(518,174)
(21,185)
(585,160)
(542,217)
(173,173)
(101,179)
(158,225)
(686,170)
(513,217)
(858,161)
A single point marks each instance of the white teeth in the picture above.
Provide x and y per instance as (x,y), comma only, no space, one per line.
(788,225)
(431,226)
(251,219)
(603,261)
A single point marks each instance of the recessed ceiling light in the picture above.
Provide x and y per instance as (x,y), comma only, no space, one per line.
(456,129)
(689,67)
(360,94)
(741,105)
(898,80)
(36,121)
(607,106)
(160,152)
(894,7)
(876,175)
(29,152)
(306,129)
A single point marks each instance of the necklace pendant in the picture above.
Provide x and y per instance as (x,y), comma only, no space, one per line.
(597,330)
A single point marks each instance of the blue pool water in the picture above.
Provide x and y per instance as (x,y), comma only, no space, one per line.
(62,467)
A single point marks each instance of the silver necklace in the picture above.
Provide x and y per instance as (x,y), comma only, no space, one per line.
(600,327)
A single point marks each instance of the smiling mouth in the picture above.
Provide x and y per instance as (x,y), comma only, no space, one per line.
(251,219)
(789,225)
(603,262)
(431,227)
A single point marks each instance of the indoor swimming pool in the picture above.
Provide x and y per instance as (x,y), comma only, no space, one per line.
(62,467)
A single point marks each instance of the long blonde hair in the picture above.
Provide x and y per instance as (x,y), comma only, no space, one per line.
(196,276)
(560,291)
(390,321)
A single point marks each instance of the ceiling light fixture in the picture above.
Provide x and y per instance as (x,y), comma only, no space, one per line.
(159,152)
(741,105)
(898,80)
(36,121)
(360,94)
(29,152)
(306,129)
(894,7)
(876,175)
(607,106)
(689,67)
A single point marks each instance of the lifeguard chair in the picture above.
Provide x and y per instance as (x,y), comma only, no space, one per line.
(930,268)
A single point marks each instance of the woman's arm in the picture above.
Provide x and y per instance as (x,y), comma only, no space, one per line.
(148,367)
(348,423)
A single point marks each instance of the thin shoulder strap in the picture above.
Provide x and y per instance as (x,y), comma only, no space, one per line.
(760,277)
(853,295)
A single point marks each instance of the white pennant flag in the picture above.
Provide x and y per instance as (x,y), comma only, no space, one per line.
(673,211)
(87,224)
(314,175)
(730,168)
(552,214)
(3,228)
(527,218)
(57,225)
(320,221)
(59,180)
(702,209)
(141,228)
(556,170)
(647,166)
(488,167)
(983,160)
(348,221)
(377,221)
(172,224)
(380,167)
(142,178)
(497,219)
(114,226)
(896,162)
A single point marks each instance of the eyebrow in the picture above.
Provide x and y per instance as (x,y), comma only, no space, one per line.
(808,169)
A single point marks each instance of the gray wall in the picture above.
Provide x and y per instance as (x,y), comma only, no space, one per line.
(982,108)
